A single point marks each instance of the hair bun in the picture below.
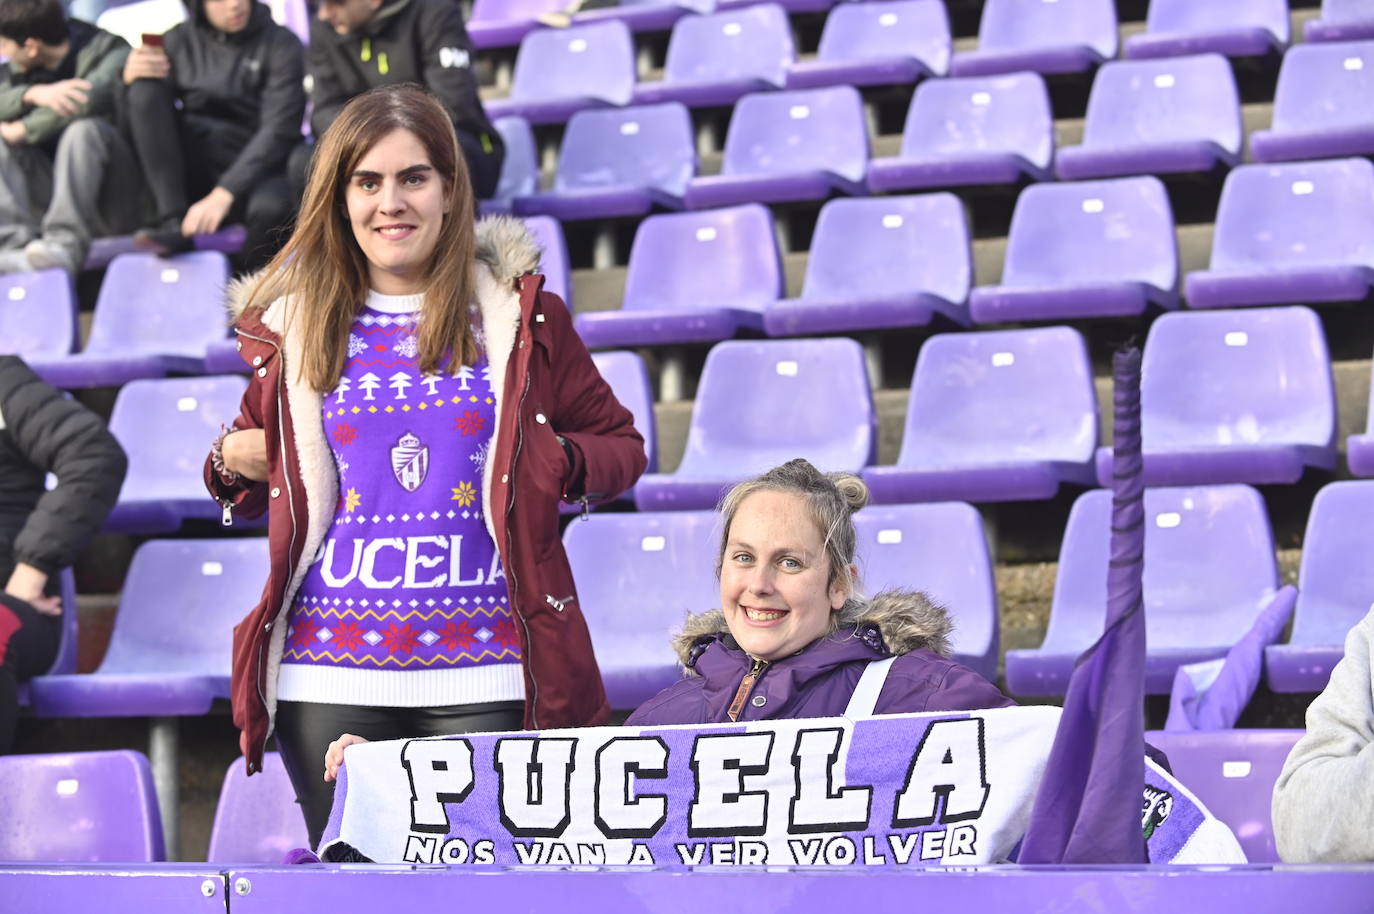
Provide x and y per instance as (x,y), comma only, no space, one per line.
(853,489)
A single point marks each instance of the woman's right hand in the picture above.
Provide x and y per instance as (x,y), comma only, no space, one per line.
(333,756)
(245,453)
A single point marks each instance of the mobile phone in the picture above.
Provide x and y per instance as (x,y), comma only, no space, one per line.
(152,40)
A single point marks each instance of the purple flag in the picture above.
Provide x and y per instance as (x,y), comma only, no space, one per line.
(1088,807)
(1211,695)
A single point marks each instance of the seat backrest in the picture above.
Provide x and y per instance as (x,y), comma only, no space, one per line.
(940,549)
(629,381)
(1233,773)
(164,425)
(553,257)
(180,602)
(715,258)
(37,314)
(1209,567)
(999,397)
(166,305)
(596,60)
(761,403)
(1325,86)
(641,146)
(889,246)
(754,42)
(802,130)
(1011,25)
(639,576)
(1189,16)
(1336,579)
(257,819)
(513,10)
(1137,102)
(520,167)
(1239,378)
(1007,114)
(1295,214)
(1348,10)
(1118,230)
(79,807)
(899,28)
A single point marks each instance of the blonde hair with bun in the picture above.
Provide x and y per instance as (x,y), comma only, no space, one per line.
(831,499)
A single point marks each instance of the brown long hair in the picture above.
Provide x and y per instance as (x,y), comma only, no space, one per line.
(325,272)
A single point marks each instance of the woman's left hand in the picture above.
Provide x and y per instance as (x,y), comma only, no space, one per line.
(334,755)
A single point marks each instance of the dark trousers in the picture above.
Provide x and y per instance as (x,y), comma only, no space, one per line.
(162,138)
(305,730)
(28,645)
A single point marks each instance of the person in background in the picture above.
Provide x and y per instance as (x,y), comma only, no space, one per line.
(66,172)
(356,45)
(214,109)
(418,409)
(42,531)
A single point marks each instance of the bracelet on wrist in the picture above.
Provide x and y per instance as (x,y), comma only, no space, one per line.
(217,457)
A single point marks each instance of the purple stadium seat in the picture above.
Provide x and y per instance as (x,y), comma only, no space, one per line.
(1289,233)
(1046,36)
(1085,249)
(638,576)
(629,381)
(620,162)
(222,357)
(1158,117)
(1233,773)
(1235,28)
(792,6)
(876,44)
(647,15)
(257,819)
(153,316)
(553,257)
(37,315)
(940,549)
(503,23)
(783,146)
(988,130)
(560,71)
(881,262)
(715,60)
(1320,106)
(165,426)
(1335,585)
(1343,20)
(1359,449)
(693,277)
(1234,396)
(169,650)
(760,404)
(79,807)
(519,169)
(228,240)
(1209,571)
(1006,415)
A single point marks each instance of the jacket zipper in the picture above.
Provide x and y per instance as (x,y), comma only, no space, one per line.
(291,545)
(533,700)
(746,685)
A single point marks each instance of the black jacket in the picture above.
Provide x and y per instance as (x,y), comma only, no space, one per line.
(42,432)
(406,41)
(243,95)
(93,55)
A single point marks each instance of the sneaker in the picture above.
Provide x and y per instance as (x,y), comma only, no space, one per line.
(43,254)
(163,240)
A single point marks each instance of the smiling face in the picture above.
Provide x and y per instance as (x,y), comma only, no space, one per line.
(775,577)
(396,204)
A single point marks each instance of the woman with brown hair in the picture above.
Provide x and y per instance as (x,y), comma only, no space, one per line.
(418,407)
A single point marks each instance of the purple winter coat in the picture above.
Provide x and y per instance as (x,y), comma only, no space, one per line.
(818,680)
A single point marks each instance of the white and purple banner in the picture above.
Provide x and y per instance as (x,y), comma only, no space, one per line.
(913,789)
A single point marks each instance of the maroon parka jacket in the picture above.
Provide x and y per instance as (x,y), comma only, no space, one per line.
(551,388)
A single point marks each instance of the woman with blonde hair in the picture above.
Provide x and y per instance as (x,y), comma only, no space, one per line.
(793,636)
(418,407)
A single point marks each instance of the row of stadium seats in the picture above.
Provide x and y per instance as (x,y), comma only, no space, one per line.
(714,60)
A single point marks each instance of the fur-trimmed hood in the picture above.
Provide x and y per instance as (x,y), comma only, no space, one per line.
(504,244)
(894,621)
